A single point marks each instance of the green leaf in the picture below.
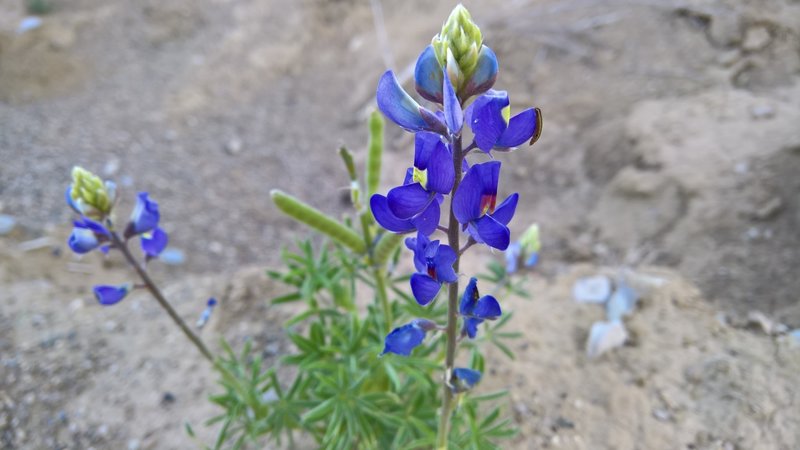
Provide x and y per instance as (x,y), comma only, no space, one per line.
(321,411)
(314,218)
(387,244)
(375,153)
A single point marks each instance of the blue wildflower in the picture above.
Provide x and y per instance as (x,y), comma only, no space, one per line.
(144,217)
(87,235)
(434,263)
(453,114)
(483,77)
(474,206)
(415,204)
(489,118)
(464,379)
(397,105)
(109,295)
(475,309)
(428,76)
(206,314)
(154,242)
(403,339)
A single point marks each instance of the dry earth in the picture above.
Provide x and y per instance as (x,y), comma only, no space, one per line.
(670,140)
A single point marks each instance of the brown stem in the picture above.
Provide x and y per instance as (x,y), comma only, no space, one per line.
(151,286)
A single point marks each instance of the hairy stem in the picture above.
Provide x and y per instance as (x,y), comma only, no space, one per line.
(452,306)
(151,286)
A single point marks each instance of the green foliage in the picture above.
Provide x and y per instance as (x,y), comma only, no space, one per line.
(334,387)
(38,7)
(374,153)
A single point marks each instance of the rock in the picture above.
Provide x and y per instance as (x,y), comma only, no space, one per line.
(729,58)
(622,302)
(595,289)
(756,38)
(7,224)
(759,321)
(725,29)
(111,167)
(633,182)
(61,37)
(605,336)
(172,256)
(29,23)
(233,146)
(769,209)
(762,112)
(662,415)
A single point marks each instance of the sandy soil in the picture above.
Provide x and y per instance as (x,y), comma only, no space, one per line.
(670,140)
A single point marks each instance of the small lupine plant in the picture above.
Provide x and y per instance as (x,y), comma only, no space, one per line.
(354,378)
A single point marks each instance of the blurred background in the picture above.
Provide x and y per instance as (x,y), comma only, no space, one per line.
(670,140)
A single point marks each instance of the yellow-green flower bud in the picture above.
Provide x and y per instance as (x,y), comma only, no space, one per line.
(90,195)
(530,240)
(458,43)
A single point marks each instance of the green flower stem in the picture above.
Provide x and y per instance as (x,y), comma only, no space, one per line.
(151,286)
(452,308)
(383,297)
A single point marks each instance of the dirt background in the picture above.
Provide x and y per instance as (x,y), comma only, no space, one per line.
(671,147)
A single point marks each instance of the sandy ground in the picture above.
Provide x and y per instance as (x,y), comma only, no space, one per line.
(670,141)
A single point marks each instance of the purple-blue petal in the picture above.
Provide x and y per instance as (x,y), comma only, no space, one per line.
(493,233)
(379,206)
(467,199)
(154,243)
(145,214)
(403,339)
(444,264)
(471,327)
(513,253)
(464,379)
(397,105)
(532,260)
(441,174)
(109,295)
(82,240)
(469,298)
(424,144)
(505,211)
(428,75)
(427,222)
(70,201)
(485,73)
(489,175)
(453,114)
(487,307)
(424,288)
(521,129)
(486,119)
(409,200)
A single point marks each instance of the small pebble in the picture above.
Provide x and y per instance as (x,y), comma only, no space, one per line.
(762,112)
(234,146)
(605,336)
(7,224)
(662,415)
(172,256)
(595,289)
(756,38)
(111,167)
(29,23)
(621,303)
(168,398)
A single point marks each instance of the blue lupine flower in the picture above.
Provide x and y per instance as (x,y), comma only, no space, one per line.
(398,106)
(109,295)
(403,339)
(415,204)
(489,118)
(475,309)
(154,242)
(428,76)
(464,379)
(483,77)
(513,254)
(87,236)
(474,206)
(434,263)
(144,217)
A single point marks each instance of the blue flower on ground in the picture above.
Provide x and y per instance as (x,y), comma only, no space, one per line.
(144,217)
(415,204)
(474,206)
(87,235)
(463,379)
(109,295)
(405,338)
(397,105)
(475,309)
(489,118)
(154,242)
(434,263)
